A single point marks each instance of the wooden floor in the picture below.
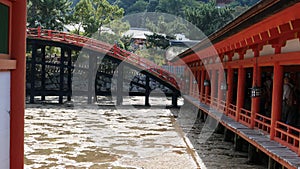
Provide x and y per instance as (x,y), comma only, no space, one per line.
(261,141)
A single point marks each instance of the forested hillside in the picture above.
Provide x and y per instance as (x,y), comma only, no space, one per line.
(171,6)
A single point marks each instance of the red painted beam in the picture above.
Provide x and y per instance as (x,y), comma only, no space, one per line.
(18,49)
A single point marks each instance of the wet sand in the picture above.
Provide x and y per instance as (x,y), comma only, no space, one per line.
(104,136)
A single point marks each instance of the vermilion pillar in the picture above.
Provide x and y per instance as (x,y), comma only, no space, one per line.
(191,82)
(206,88)
(18,49)
(276,97)
(255,100)
(229,94)
(213,84)
(199,82)
(202,83)
(220,81)
(240,92)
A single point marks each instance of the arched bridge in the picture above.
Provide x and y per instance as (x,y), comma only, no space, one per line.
(53,59)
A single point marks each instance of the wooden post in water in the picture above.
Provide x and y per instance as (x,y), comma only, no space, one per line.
(120,84)
(43,73)
(32,72)
(147,91)
(61,75)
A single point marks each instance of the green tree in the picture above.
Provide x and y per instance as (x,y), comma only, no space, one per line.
(152,5)
(101,13)
(137,7)
(50,14)
(207,17)
(175,7)
(81,15)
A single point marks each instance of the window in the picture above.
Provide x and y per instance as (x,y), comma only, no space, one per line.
(4,26)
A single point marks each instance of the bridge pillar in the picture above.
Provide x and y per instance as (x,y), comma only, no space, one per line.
(69,74)
(43,73)
(120,84)
(32,73)
(147,92)
(174,99)
(61,75)
(91,78)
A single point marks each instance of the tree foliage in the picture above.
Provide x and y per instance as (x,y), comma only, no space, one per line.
(93,14)
(207,17)
(50,14)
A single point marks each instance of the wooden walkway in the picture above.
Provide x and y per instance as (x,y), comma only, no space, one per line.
(261,141)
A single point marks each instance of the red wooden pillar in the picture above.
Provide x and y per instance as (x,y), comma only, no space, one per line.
(199,82)
(255,100)
(202,83)
(206,88)
(18,50)
(220,81)
(276,97)
(240,91)
(191,83)
(229,93)
(213,85)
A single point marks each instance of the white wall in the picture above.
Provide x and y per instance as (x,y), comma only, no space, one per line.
(4,119)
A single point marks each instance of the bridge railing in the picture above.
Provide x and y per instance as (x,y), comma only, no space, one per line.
(112,50)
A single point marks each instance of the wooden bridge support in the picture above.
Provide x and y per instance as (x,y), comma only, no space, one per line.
(69,74)
(228,134)
(61,75)
(43,73)
(32,73)
(147,92)
(238,143)
(92,76)
(120,84)
(174,99)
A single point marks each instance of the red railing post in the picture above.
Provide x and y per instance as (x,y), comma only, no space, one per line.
(39,31)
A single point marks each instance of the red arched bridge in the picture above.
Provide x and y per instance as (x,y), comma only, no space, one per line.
(53,59)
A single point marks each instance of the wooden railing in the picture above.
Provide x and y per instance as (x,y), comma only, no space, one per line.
(232,111)
(214,102)
(262,123)
(245,117)
(288,136)
(222,106)
(108,49)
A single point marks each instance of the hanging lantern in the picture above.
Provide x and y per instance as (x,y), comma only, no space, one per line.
(224,86)
(255,91)
(206,83)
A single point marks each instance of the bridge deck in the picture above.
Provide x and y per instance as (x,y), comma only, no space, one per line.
(261,141)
